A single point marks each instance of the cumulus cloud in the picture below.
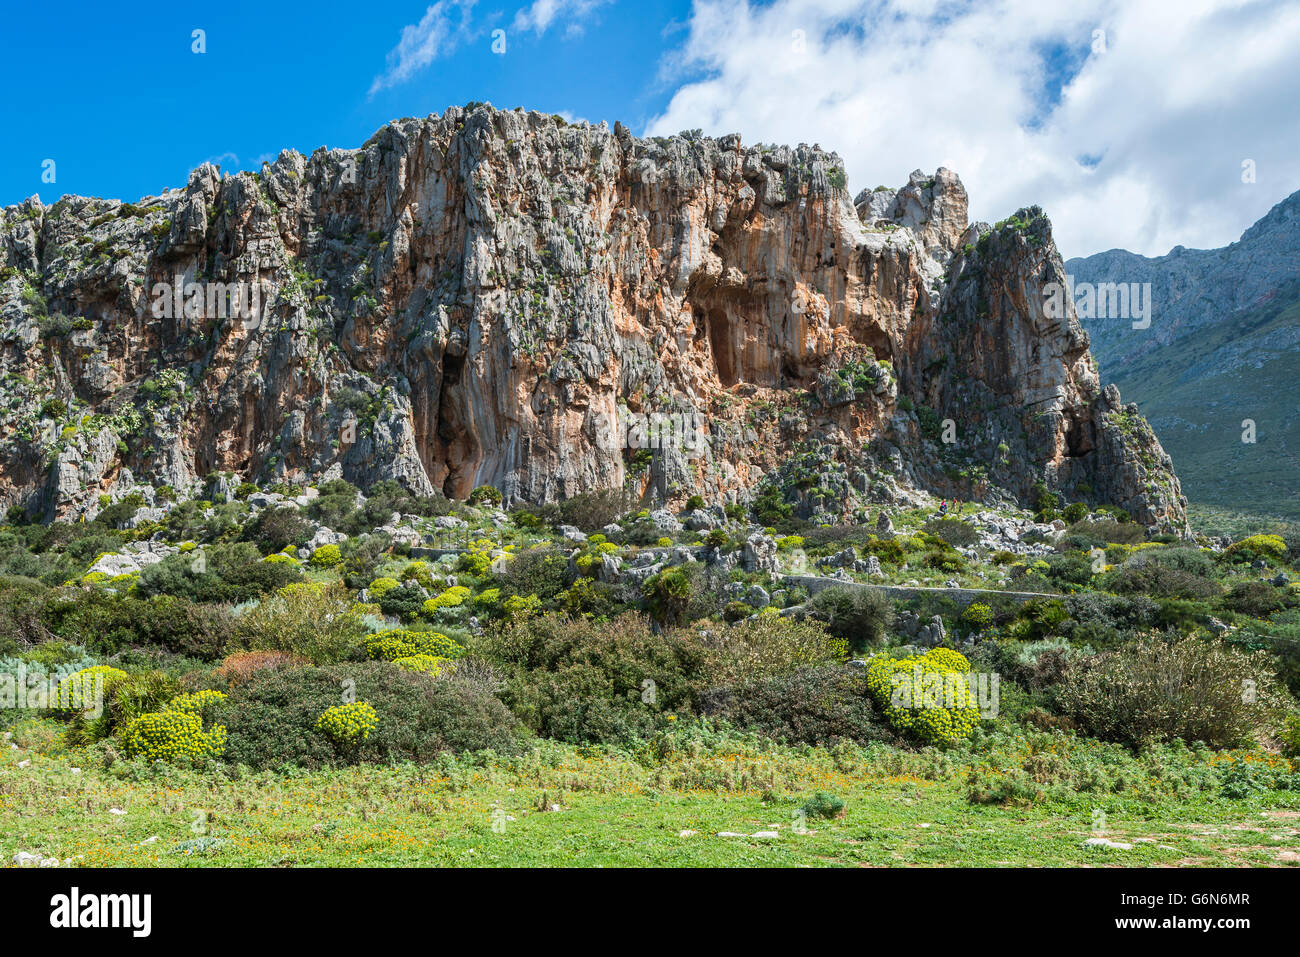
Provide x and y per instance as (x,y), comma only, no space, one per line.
(1128,120)
(444,26)
(539,16)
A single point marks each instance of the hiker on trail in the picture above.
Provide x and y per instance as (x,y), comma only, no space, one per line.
(943,507)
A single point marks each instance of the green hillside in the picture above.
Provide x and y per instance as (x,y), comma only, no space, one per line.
(1197,390)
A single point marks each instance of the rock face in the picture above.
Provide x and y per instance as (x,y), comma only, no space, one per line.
(490,297)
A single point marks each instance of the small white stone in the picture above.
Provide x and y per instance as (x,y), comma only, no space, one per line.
(116,810)
(688,833)
(25,763)
(1107,842)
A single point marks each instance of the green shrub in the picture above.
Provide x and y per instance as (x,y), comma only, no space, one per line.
(1075,512)
(766,646)
(271,717)
(1108,531)
(406,601)
(231,572)
(276,528)
(314,621)
(138,694)
(1159,580)
(592,511)
(1162,690)
(953,531)
(485,495)
(815,705)
(824,805)
(105,623)
(860,616)
(453,597)
(1256,599)
(381,586)
(589,598)
(75,692)
(1290,736)
(670,593)
(586,682)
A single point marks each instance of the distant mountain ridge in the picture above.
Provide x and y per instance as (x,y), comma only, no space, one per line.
(1223,347)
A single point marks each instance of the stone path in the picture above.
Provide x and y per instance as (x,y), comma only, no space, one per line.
(964,596)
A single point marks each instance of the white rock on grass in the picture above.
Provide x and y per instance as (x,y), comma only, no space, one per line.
(1107,842)
(26,859)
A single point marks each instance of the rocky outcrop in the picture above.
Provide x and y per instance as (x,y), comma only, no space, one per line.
(490,297)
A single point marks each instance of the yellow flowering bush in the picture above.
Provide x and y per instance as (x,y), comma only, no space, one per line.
(381,587)
(479,559)
(522,605)
(425,664)
(73,689)
(280,558)
(419,573)
(327,556)
(196,702)
(1249,549)
(950,659)
(347,725)
(401,643)
(176,736)
(453,596)
(927,696)
(486,602)
(977,615)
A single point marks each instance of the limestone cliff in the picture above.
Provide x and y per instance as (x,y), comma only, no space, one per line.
(474,298)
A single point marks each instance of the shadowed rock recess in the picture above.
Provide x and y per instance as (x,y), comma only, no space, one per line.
(474,294)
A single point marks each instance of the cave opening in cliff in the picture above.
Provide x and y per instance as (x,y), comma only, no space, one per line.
(1079,439)
(454,442)
(720,344)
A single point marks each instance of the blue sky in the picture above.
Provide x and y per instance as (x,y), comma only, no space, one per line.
(125,108)
(1129,121)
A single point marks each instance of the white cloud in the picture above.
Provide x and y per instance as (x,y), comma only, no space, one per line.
(444,26)
(1142,147)
(541,14)
(223,159)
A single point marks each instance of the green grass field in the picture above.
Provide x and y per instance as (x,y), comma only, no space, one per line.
(614,810)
